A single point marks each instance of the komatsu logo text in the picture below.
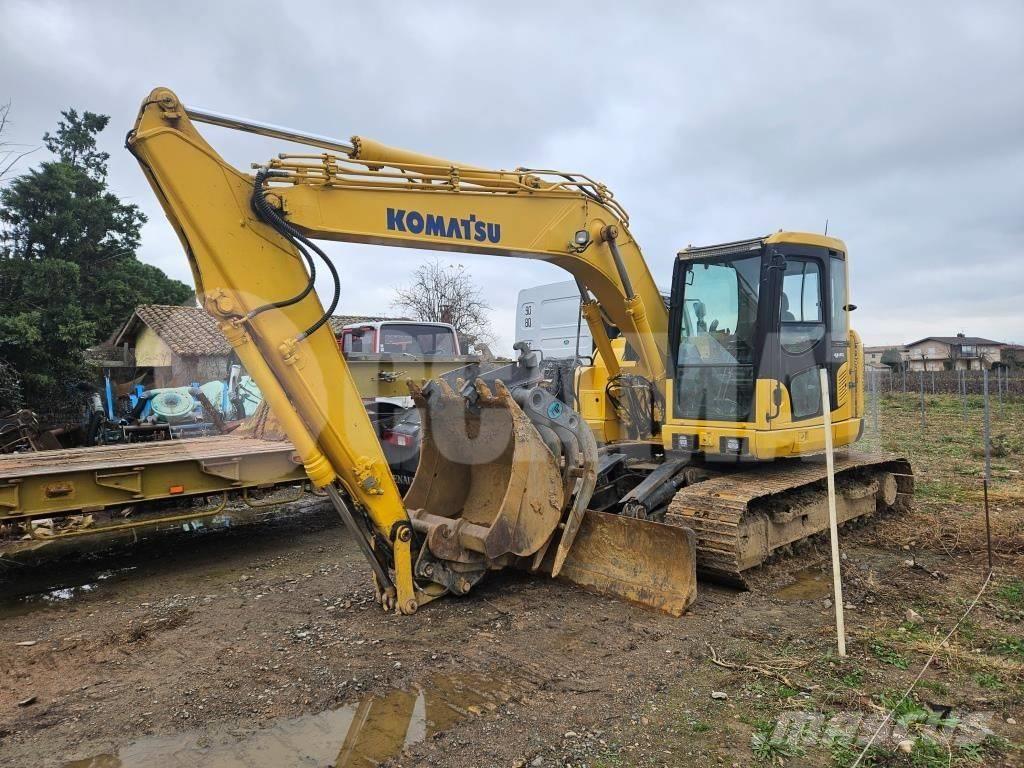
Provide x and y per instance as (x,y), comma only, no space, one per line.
(449,227)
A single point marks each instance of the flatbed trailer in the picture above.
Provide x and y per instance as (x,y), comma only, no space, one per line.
(117,487)
(128,487)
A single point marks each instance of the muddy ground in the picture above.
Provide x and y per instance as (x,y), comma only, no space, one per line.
(264,647)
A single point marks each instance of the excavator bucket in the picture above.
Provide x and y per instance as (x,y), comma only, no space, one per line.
(640,561)
(486,465)
(488,490)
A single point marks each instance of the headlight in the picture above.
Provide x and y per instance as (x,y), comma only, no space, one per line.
(684,442)
(734,445)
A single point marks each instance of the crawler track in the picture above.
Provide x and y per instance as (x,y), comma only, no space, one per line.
(740,518)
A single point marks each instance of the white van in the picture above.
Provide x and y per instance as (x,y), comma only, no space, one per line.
(548,317)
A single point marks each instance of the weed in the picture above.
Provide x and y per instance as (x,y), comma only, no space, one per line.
(984,752)
(968,631)
(853,678)
(770,750)
(1013,592)
(934,685)
(698,726)
(930,754)
(990,681)
(785,692)
(996,746)
(911,629)
(845,752)
(758,687)
(908,712)
(887,655)
(1010,646)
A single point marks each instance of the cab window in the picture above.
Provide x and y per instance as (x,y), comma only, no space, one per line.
(802,322)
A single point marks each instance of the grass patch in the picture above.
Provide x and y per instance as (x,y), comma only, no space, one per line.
(990,681)
(934,685)
(925,754)
(768,749)
(1010,646)
(888,655)
(844,753)
(853,678)
(1012,593)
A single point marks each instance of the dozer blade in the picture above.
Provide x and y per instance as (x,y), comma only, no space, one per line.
(643,562)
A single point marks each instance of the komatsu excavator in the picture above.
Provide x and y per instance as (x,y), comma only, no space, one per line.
(692,441)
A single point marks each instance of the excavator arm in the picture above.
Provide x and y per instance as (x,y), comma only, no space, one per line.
(250,244)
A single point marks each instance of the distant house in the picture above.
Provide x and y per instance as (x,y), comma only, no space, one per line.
(168,346)
(873,356)
(948,353)
(174,346)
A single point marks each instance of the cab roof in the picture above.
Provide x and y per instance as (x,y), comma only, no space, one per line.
(756,243)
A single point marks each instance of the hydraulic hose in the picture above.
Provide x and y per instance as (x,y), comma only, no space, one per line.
(266,213)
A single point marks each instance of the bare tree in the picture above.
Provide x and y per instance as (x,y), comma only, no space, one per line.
(445,293)
(10,153)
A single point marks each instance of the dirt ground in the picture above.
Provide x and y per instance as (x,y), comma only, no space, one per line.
(263,646)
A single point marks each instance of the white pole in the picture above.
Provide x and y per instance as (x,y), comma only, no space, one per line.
(833,524)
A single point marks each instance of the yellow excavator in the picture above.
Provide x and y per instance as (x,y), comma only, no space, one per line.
(692,438)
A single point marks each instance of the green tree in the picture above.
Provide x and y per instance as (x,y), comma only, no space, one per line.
(69,274)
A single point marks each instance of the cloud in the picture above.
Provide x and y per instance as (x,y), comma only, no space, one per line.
(899,124)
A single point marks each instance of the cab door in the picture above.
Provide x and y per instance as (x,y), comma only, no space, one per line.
(799,283)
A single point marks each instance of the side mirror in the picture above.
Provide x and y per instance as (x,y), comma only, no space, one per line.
(777,396)
(849,307)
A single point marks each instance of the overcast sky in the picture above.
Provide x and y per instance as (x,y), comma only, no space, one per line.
(900,123)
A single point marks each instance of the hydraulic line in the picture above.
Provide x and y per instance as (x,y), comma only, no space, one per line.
(268,214)
(265,212)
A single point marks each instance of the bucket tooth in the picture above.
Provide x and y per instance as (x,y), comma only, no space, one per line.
(446,388)
(486,396)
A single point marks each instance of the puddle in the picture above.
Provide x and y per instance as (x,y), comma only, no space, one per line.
(362,734)
(42,595)
(809,584)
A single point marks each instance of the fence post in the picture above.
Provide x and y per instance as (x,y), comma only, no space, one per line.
(924,423)
(904,381)
(874,400)
(962,381)
(999,381)
(933,382)
(988,447)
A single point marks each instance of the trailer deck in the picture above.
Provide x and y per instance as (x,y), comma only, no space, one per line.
(87,480)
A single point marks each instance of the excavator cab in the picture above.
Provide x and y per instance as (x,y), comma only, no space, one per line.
(752,323)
